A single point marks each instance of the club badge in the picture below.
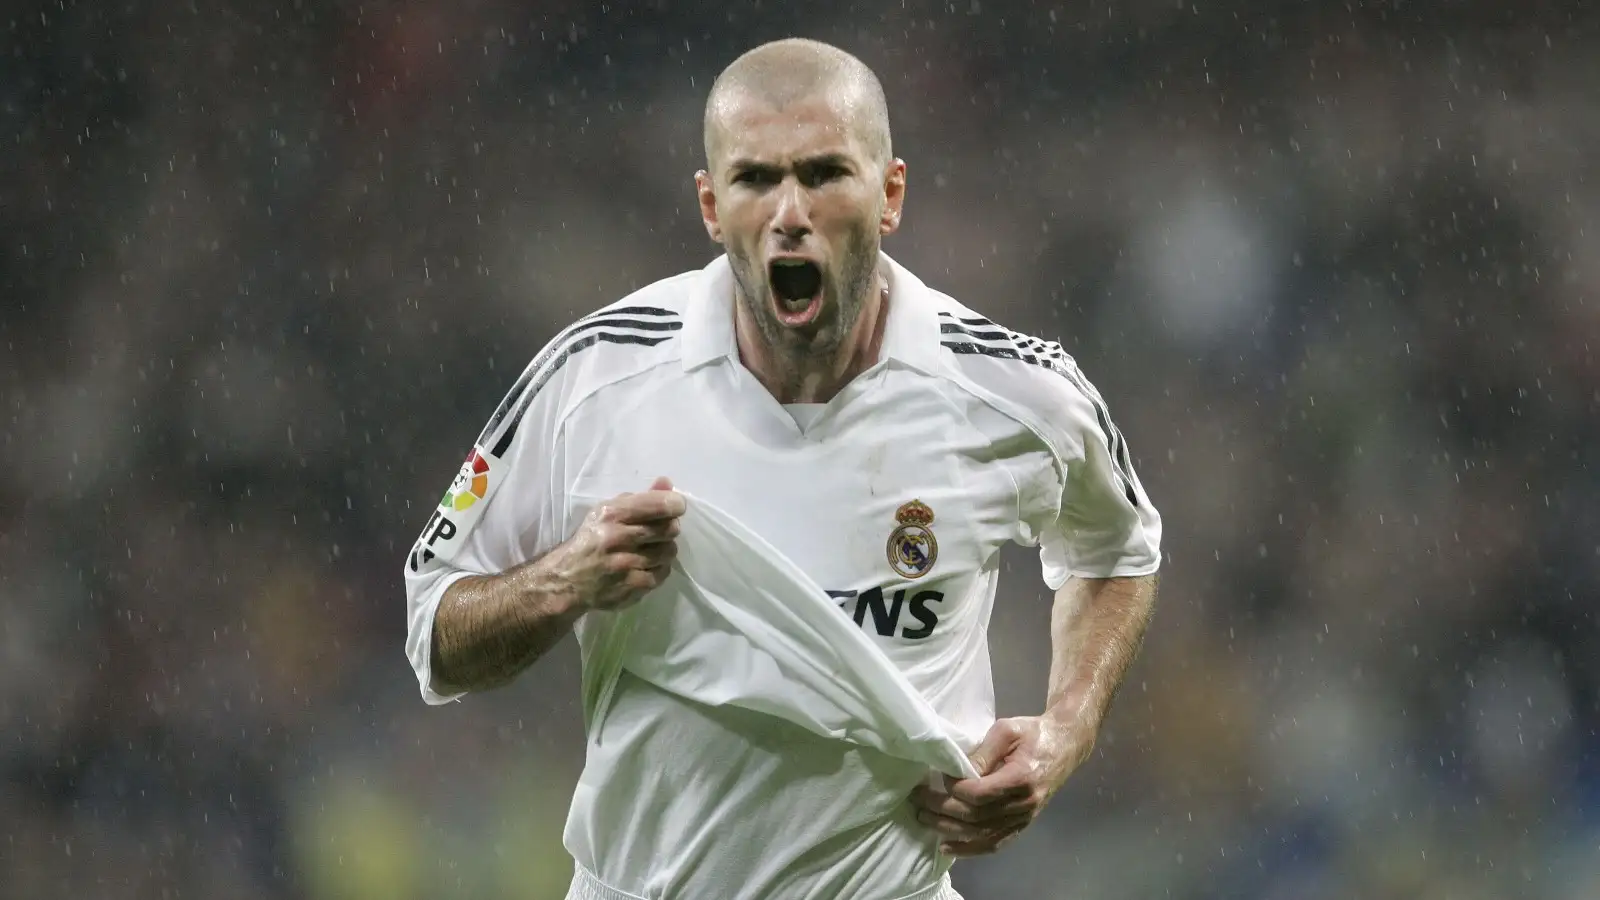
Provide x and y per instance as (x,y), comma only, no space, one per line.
(912,547)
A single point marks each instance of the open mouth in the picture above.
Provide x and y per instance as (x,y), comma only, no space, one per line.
(796,290)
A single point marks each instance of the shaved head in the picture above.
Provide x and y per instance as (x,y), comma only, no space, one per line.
(794,70)
(800,187)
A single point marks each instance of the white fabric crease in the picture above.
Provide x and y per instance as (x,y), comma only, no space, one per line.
(738,623)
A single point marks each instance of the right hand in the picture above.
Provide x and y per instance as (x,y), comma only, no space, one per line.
(625,547)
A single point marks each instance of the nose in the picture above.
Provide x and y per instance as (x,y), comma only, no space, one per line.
(792,219)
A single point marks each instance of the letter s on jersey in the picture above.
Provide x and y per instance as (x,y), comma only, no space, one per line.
(886,613)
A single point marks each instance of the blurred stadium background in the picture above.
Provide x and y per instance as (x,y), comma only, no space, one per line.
(267,267)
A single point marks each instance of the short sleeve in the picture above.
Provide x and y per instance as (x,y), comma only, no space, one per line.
(500,510)
(1104,524)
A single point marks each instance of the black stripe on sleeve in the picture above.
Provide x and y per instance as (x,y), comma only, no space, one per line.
(572,349)
(630,311)
(604,318)
(1116,445)
(977,321)
(953,328)
(967,347)
(583,324)
(1045,355)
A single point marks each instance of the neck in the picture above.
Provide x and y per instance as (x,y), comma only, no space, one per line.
(803,378)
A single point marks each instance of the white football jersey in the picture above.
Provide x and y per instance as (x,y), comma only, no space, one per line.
(896,497)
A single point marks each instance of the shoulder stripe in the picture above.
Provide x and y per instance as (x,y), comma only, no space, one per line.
(975,320)
(967,347)
(635,324)
(631,311)
(1116,444)
(953,328)
(1046,355)
(556,352)
(572,349)
(550,350)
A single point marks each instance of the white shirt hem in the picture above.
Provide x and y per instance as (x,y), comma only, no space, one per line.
(585,886)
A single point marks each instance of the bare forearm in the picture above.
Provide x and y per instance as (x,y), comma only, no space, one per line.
(490,628)
(1096,628)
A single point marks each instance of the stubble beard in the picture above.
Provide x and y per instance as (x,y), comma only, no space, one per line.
(795,355)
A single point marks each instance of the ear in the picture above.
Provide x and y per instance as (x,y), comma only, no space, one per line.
(706,193)
(894,196)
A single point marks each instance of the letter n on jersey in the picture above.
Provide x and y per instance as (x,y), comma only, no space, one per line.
(906,613)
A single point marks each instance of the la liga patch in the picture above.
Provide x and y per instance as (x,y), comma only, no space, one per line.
(470,486)
(459,509)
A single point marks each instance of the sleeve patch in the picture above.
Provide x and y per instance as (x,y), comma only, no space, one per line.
(459,510)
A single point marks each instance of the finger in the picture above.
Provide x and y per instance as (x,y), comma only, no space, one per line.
(619,536)
(662,483)
(643,580)
(660,554)
(658,557)
(1003,737)
(625,562)
(962,811)
(1011,781)
(1009,809)
(952,829)
(956,831)
(649,506)
(981,847)
(943,804)
(660,532)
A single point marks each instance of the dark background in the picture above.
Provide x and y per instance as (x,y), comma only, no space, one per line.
(267,267)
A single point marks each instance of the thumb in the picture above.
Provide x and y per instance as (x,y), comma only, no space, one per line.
(995,747)
(662,483)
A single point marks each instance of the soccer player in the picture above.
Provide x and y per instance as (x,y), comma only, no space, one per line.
(885,438)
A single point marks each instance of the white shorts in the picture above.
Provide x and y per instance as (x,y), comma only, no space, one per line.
(587,887)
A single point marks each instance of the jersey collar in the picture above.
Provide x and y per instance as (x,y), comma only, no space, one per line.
(911,334)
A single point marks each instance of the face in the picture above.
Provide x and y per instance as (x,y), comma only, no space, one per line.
(800,204)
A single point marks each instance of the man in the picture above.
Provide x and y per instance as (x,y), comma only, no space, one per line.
(881,436)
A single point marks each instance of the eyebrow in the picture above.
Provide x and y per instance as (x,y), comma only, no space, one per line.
(839,160)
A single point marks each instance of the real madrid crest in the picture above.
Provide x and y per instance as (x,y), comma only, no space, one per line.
(912,547)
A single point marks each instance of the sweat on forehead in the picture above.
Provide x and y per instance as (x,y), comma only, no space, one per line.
(795,70)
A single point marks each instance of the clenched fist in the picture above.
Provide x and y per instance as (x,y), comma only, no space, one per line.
(624,548)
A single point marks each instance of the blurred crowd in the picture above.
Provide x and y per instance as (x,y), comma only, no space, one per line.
(267,268)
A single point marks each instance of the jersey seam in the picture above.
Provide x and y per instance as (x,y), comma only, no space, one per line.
(577,401)
(1016,487)
(588,395)
(580,401)
(1001,406)
(951,371)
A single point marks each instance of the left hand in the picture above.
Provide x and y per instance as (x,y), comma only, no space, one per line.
(1024,761)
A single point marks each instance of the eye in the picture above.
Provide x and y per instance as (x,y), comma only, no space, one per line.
(755,177)
(823,173)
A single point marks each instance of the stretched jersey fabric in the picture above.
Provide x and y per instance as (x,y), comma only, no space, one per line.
(737,624)
(894,499)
